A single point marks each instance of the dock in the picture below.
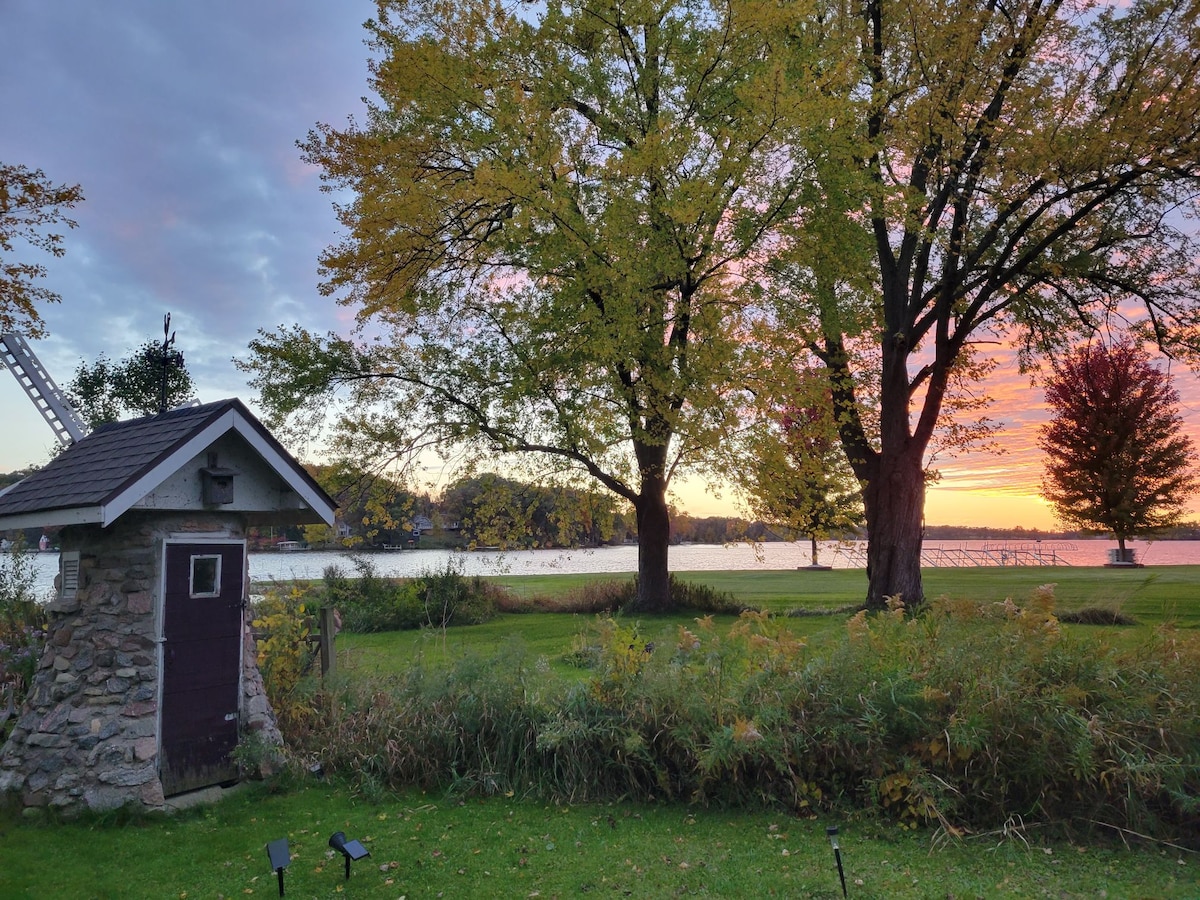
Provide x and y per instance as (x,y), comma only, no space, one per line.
(1028,553)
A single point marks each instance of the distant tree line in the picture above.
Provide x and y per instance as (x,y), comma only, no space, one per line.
(490,510)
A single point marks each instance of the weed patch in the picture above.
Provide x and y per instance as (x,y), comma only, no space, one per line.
(806,612)
(616,595)
(1095,615)
(589,598)
(964,717)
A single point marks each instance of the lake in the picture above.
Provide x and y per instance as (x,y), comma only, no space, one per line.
(277,566)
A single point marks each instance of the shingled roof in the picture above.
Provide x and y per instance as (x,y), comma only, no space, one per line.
(106,473)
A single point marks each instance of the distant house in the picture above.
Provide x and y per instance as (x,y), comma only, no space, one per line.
(149,678)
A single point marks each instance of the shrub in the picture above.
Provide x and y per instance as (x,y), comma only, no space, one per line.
(283,616)
(702,598)
(369,603)
(22,630)
(451,599)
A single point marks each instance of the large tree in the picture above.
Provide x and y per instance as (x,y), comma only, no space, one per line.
(492,510)
(548,211)
(374,505)
(152,378)
(30,204)
(1014,171)
(1117,457)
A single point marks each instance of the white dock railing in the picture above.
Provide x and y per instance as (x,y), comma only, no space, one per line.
(1024,553)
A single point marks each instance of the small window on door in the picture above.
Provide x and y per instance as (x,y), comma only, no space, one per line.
(206,576)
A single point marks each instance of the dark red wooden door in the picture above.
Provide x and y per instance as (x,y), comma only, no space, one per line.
(202,664)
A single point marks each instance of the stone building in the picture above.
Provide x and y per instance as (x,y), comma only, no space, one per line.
(149,679)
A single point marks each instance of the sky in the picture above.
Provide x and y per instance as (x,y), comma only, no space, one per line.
(180,121)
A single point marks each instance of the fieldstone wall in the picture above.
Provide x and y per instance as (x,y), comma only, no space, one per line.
(87,734)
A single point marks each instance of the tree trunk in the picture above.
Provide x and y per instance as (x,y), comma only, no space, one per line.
(893,476)
(895,508)
(813,539)
(654,535)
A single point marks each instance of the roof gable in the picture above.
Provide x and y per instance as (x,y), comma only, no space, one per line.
(102,476)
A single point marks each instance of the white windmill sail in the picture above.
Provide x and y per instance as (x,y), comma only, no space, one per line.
(41,389)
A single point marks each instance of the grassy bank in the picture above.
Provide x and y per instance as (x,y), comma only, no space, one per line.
(430,846)
(1169,594)
(1154,594)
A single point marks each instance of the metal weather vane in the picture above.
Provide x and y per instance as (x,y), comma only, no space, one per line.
(167,359)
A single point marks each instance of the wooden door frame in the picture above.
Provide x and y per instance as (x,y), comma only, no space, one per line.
(215,538)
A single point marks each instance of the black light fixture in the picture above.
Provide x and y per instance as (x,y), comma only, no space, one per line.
(281,858)
(352,850)
(837,854)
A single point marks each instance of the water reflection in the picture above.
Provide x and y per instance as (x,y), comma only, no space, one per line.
(277,566)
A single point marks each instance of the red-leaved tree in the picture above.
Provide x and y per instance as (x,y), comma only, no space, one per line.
(1117,458)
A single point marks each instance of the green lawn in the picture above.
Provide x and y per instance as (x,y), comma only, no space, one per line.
(426,846)
(546,635)
(1152,596)
(1156,594)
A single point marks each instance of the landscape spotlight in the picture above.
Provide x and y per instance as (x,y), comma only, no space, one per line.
(837,854)
(281,858)
(350,849)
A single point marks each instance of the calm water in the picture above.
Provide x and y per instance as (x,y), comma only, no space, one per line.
(694,557)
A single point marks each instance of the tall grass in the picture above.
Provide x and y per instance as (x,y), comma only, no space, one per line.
(617,594)
(473,727)
(966,716)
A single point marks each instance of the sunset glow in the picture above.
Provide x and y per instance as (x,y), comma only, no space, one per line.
(180,123)
(996,488)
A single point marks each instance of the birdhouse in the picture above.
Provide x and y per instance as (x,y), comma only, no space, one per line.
(216,483)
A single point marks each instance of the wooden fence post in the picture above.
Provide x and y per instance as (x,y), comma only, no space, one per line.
(328,624)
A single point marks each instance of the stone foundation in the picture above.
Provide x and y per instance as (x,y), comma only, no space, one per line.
(86,737)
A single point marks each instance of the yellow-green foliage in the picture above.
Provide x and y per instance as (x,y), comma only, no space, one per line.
(284,621)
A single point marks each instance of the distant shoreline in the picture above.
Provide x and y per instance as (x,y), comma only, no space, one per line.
(1187,532)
